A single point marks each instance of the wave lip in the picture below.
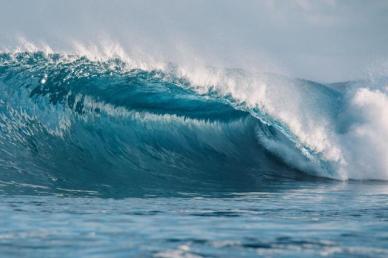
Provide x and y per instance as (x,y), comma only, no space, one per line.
(67,121)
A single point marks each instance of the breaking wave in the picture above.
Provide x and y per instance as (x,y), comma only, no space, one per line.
(68,121)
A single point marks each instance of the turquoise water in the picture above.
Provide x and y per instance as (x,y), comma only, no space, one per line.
(100,159)
(286,219)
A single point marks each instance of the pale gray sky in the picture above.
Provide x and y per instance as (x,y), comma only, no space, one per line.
(328,40)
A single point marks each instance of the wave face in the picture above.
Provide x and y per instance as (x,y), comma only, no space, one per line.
(69,122)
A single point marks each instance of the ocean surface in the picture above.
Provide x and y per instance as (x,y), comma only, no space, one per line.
(110,158)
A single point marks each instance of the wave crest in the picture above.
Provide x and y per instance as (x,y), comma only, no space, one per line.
(71,121)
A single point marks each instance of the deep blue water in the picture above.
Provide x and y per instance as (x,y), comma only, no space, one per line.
(98,159)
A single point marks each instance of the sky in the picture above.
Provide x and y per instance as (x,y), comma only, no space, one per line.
(327,40)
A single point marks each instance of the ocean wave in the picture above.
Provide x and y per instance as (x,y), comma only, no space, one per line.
(76,122)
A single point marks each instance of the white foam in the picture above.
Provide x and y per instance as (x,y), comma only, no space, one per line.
(361,152)
(365,144)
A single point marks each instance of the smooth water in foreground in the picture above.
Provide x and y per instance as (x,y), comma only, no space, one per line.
(286,219)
